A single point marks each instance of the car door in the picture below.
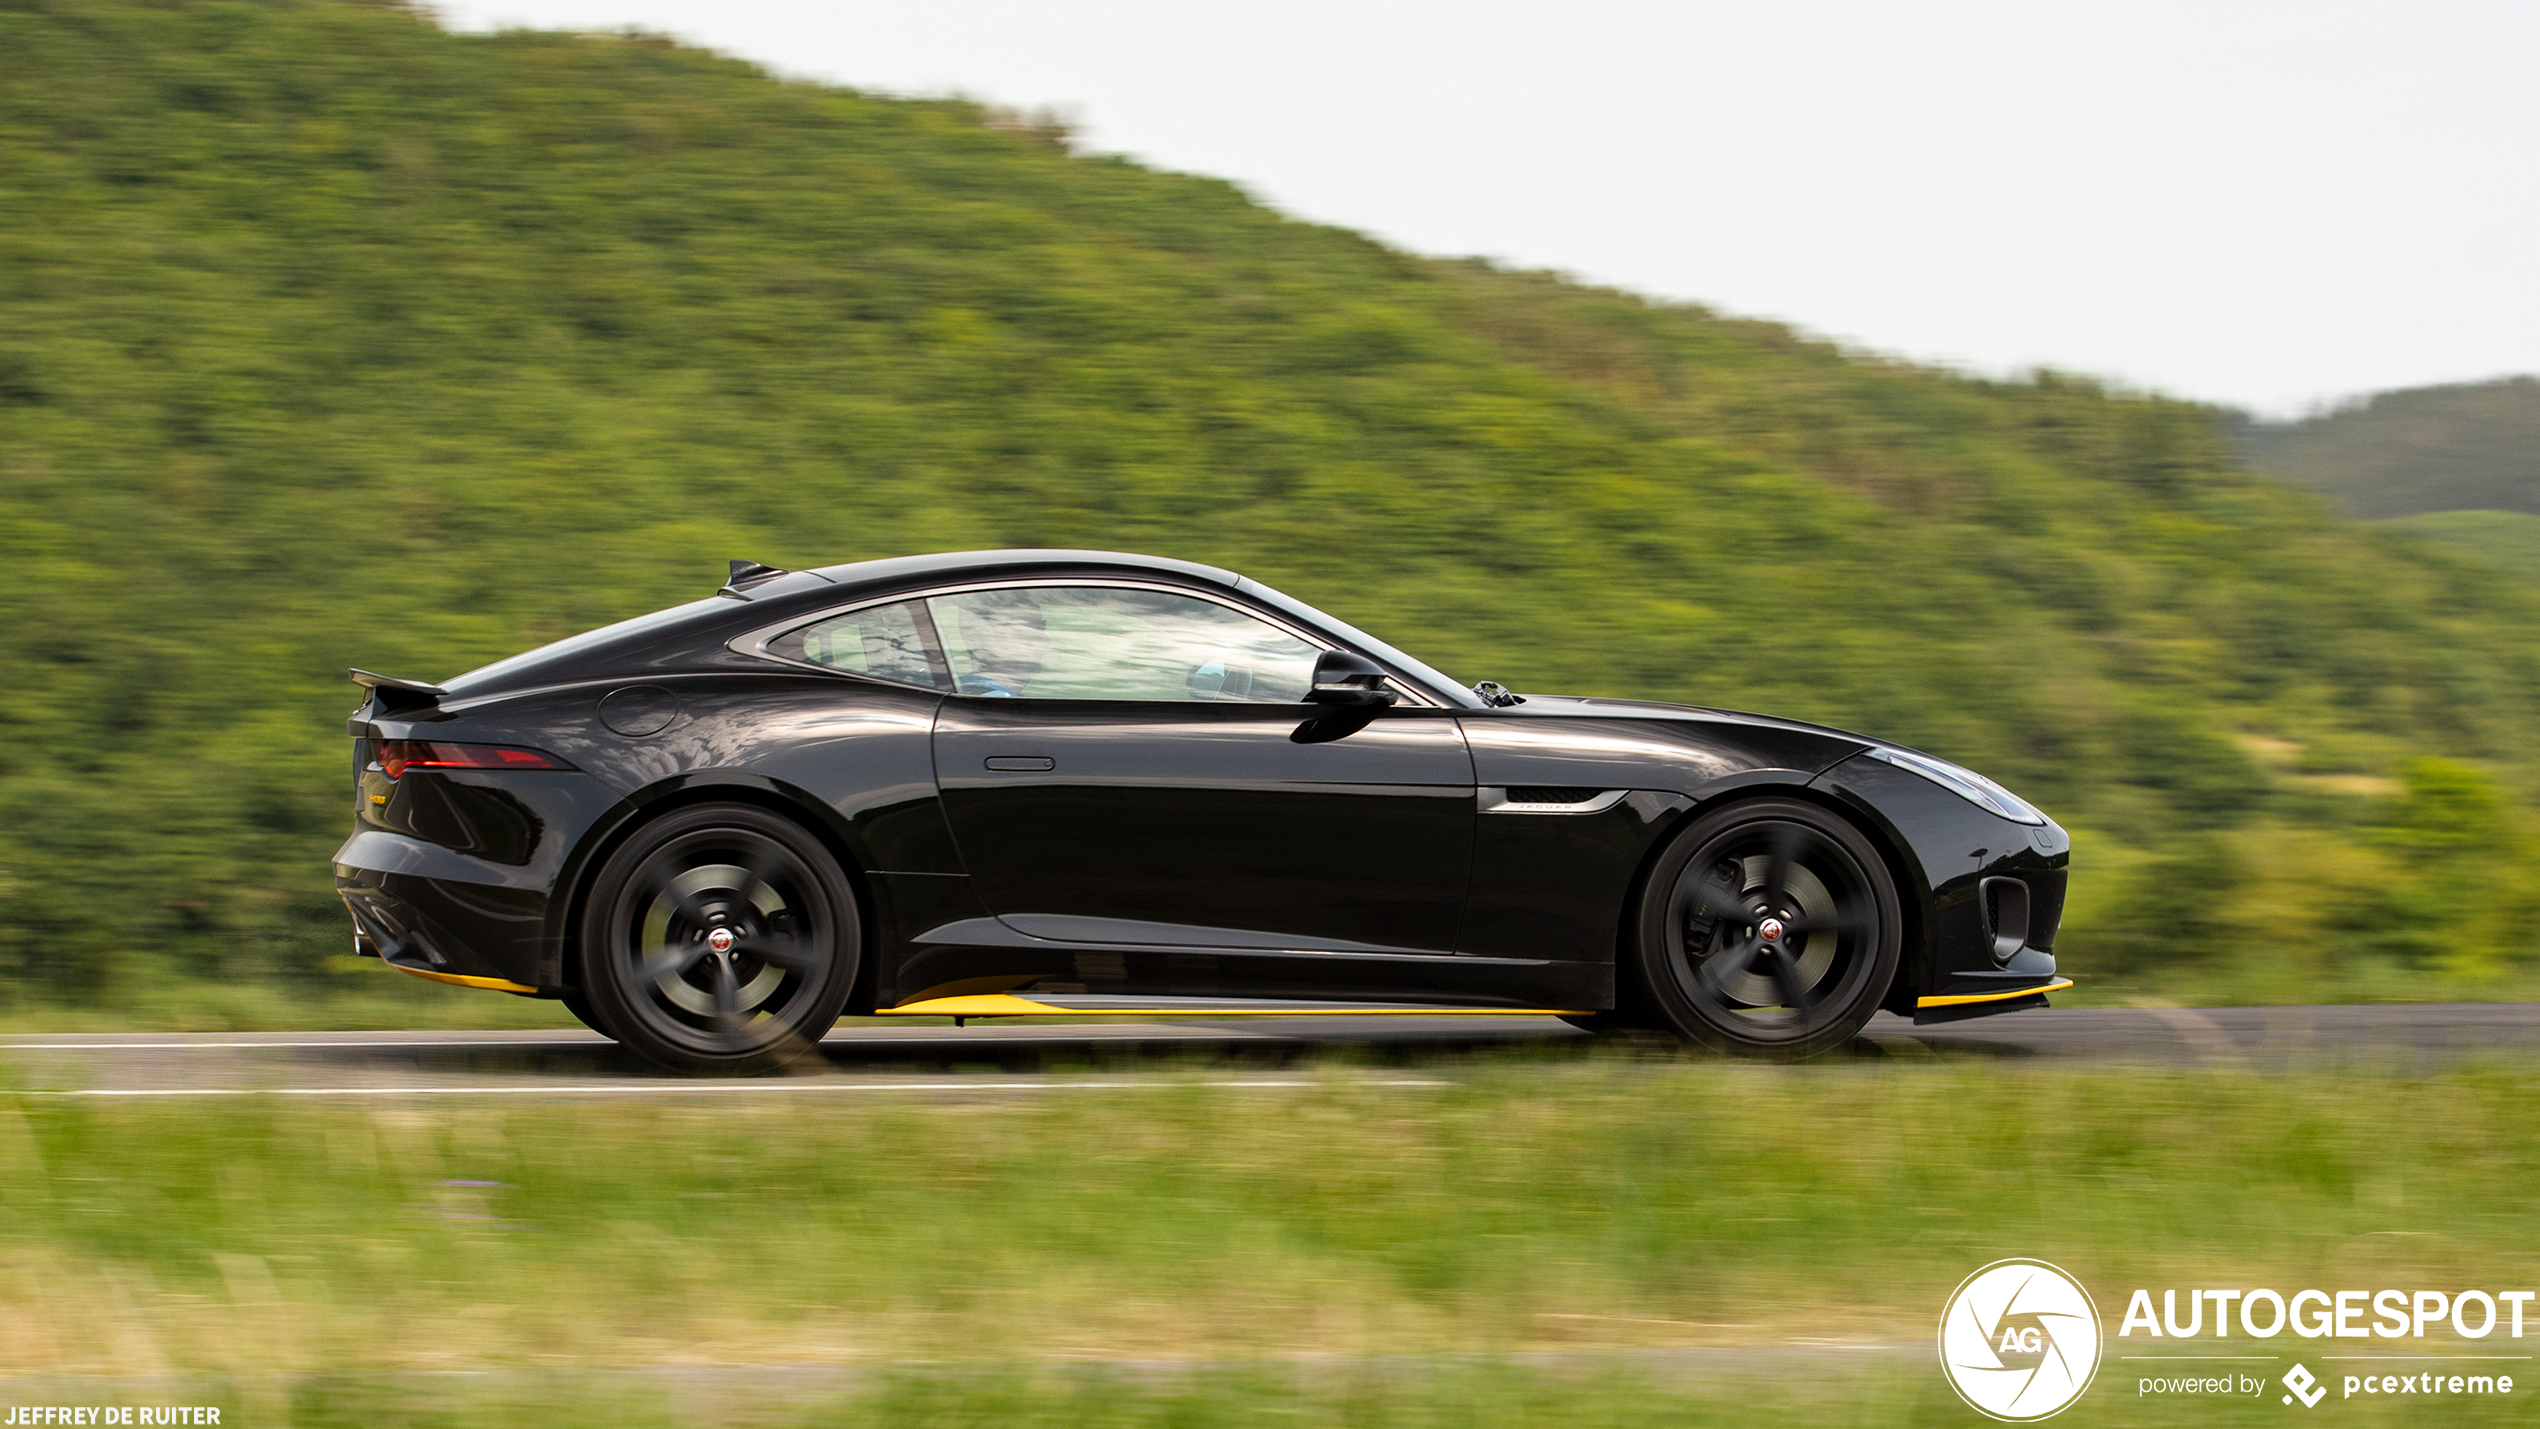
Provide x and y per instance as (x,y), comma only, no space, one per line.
(1117,766)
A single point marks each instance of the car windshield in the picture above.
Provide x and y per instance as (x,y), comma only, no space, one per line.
(1438,681)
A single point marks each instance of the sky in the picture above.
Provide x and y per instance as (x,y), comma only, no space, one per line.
(2271,206)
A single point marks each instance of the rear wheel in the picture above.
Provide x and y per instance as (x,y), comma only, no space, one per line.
(721,938)
(1770,928)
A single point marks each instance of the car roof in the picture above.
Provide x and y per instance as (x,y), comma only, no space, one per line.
(896,569)
(712,620)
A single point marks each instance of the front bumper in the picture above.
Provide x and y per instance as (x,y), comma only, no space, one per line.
(1989,894)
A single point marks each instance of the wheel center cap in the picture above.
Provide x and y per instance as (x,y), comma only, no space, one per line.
(1771,929)
(720,940)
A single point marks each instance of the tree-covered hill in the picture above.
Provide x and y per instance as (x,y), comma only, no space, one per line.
(2509,539)
(328,338)
(2472,446)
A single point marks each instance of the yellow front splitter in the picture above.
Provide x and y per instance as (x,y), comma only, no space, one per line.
(1007,1005)
(2058,985)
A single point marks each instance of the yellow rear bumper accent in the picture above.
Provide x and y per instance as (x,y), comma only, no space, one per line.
(1007,1005)
(463,980)
(2058,985)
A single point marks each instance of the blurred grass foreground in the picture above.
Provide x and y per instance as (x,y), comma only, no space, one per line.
(1522,1241)
(330,338)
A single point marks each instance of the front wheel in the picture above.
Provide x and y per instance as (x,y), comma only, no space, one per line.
(1770,928)
(719,938)
(580,1007)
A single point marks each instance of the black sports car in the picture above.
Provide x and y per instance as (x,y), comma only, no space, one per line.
(934,784)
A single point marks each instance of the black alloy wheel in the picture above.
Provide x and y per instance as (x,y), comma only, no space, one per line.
(721,938)
(1770,928)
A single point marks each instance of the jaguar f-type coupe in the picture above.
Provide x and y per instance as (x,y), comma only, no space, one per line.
(1026,782)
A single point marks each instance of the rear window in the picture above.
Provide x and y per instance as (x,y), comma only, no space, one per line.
(879,641)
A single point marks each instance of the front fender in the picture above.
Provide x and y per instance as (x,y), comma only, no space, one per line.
(1948,847)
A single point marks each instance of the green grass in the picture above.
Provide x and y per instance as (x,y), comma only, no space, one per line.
(342,994)
(1448,1393)
(1570,1206)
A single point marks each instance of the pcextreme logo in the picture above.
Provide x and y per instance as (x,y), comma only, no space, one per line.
(2019,1340)
(2305,1385)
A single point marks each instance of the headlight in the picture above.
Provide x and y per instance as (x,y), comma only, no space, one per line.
(1966,784)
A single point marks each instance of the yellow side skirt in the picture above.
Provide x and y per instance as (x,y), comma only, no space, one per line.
(2058,985)
(463,980)
(1007,1005)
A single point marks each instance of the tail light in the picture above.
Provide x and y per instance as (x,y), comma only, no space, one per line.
(396,756)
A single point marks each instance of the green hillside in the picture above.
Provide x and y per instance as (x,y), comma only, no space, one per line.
(2468,447)
(328,338)
(2509,539)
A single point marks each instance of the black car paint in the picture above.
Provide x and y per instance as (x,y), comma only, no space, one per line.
(1210,818)
(1173,849)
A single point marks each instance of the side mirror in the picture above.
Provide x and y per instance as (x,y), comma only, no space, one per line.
(1348,680)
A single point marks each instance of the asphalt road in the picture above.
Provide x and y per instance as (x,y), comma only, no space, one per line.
(884,1059)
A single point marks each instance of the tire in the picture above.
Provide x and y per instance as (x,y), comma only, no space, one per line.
(1769,928)
(580,1007)
(720,938)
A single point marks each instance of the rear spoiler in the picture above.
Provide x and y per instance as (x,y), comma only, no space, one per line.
(395,697)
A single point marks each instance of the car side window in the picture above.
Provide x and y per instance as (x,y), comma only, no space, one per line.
(1111,643)
(882,641)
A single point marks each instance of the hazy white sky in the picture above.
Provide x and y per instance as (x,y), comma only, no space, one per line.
(2270,205)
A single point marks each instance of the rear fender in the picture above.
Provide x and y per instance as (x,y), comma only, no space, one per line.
(559,965)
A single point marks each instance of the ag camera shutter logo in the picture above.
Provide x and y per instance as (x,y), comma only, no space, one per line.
(2019,1340)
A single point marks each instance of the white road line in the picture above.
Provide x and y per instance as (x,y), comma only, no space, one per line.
(675,1088)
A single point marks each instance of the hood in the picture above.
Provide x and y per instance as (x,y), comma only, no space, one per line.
(1602,707)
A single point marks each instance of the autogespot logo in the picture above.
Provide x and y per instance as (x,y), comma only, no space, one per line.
(2020,1340)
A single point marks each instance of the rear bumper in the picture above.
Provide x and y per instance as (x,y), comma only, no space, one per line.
(452,874)
(424,910)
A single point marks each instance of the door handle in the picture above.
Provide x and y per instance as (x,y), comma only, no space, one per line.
(1021,763)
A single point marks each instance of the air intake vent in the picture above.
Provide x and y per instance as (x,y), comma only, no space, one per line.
(2006,915)
(1549,794)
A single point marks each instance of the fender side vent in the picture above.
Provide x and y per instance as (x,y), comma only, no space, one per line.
(1549,794)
